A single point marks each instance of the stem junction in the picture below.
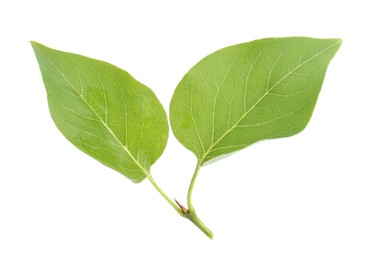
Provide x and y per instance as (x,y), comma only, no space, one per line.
(189,213)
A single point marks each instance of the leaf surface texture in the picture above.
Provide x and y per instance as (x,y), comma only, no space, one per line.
(104,111)
(248,92)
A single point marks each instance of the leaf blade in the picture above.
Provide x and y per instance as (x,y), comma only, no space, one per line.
(249,92)
(104,111)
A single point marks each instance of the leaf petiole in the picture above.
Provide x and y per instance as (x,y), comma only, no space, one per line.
(191,213)
(191,186)
(169,200)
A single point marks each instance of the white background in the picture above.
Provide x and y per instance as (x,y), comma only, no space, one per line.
(311,196)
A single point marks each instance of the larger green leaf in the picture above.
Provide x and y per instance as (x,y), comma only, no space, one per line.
(104,111)
(249,92)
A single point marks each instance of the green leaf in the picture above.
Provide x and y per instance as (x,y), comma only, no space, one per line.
(241,94)
(104,111)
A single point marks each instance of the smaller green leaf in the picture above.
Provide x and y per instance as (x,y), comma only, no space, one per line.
(104,111)
(241,94)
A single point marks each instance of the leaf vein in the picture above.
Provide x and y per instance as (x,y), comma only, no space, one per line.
(93,110)
(261,98)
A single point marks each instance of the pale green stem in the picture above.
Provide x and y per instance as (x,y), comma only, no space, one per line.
(186,213)
(196,221)
(169,200)
(191,213)
(191,187)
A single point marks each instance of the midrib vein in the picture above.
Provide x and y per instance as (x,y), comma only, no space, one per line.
(259,100)
(101,120)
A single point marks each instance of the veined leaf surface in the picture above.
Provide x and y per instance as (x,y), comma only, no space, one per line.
(104,111)
(241,94)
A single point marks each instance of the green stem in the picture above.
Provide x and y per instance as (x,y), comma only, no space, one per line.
(181,210)
(157,187)
(191,186)
(191,212)
(196,221)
